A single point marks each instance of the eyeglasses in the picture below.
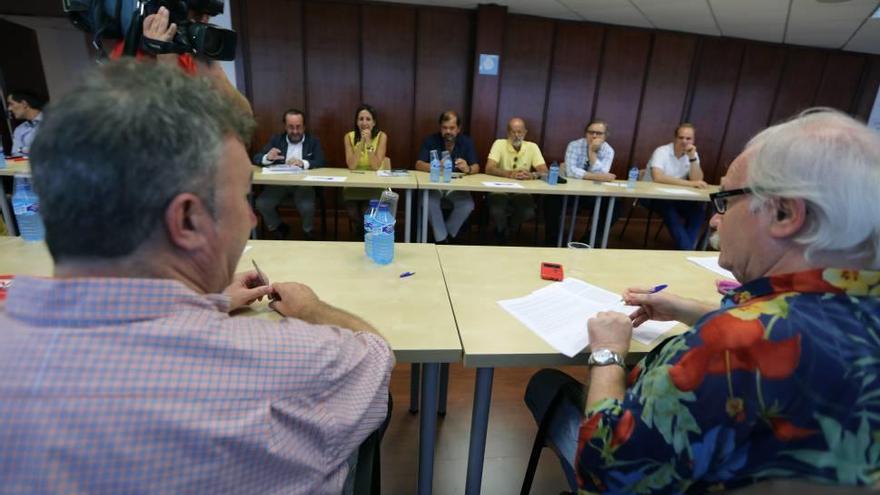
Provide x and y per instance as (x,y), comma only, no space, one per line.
(720,198)
(596,133)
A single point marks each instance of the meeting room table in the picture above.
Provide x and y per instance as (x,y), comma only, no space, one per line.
(477,277)
(412,312)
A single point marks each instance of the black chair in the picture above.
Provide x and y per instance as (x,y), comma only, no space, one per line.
(542,441)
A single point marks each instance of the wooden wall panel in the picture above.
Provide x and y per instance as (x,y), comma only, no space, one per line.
(414,61)
(388,45)
(444,59)
(525,70)
(276,83)
(798,84)
(755,92)
(484,100)
(840,81)
(573,79)
(624,63)
(868,89)
(332,48)
(663,102)
(713,92)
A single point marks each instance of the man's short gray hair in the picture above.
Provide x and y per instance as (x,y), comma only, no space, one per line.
(113,153)
(832,162)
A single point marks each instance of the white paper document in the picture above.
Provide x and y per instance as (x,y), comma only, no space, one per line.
(680,192)
(711,263)
(509,185)
(614,184)
(282,169)
(558,313)
(324,178)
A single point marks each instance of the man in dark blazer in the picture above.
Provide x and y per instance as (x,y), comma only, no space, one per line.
(299,150)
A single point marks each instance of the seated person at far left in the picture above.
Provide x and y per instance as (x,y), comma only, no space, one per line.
(300,150)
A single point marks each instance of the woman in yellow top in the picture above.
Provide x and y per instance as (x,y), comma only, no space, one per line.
(364,150)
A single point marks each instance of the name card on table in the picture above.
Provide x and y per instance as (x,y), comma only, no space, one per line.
(682,192)
(325,178)
(509,185)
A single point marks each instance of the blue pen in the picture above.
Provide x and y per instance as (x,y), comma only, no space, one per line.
(656,289)
(407,274)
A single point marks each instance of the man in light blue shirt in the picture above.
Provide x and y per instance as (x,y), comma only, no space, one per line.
(589,158)
(27,108)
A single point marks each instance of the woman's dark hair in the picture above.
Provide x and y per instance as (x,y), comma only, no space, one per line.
(357,130)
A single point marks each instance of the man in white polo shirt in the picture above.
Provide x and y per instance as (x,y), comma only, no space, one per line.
(678,163)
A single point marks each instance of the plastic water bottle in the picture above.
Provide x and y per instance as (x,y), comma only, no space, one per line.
(383,236)
(435,166)
(447,167)
(369,226)
(27,210)
(632,178)
(553,176)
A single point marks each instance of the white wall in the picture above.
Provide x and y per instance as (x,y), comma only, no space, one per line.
(225,20)
(63,50)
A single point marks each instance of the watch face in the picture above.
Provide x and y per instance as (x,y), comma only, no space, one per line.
(603,356)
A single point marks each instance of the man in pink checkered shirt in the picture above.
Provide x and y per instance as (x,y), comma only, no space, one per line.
(125,373)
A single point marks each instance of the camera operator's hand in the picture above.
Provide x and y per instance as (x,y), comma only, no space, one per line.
(157,27)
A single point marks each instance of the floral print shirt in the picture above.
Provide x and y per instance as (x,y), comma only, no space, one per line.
(781,382)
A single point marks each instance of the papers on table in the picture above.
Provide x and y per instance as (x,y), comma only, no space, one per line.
(680,192)
(558,313)
(711,263)
(509,185)
(282,169)
(392,173)
(324,178)
(612,184)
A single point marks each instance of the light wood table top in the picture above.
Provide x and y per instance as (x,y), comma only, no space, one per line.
(573,187)
(15,166)
(413,313)
(24,258)
(354,178)
(477,277)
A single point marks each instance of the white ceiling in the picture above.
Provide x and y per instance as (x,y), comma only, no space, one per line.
(837,24)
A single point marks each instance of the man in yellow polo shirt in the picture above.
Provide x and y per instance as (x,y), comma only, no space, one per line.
(513,158)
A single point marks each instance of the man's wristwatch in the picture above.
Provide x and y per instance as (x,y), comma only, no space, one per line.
(604,357)
(692,160)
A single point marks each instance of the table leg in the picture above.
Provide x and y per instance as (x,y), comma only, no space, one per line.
(428,427)
(444,389)
(415,372)
(608,222)
(479,428)
(594,222)
(424,229)
(408,228)
(562,220)
(574,215)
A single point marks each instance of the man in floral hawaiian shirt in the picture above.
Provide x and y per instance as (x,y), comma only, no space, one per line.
(782,380)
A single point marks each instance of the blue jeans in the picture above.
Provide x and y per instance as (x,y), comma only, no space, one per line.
(684,219)
(562,427)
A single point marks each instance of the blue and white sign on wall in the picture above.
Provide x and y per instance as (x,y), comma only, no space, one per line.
(488,65)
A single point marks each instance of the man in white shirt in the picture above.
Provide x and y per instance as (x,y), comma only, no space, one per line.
(28,109)
(300,151)
(678,163)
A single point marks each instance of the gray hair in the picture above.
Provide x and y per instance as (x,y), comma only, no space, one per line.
(114,152)
(832,162)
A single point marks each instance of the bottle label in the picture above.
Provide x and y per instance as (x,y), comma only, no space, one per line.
(388,229)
